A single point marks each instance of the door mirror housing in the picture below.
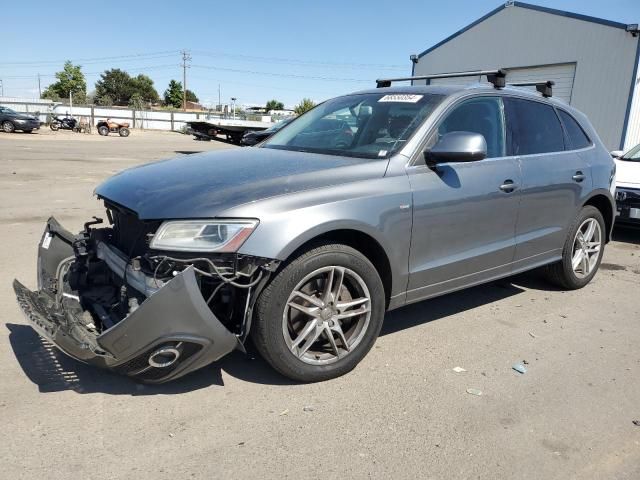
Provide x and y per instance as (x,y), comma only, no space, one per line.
(457,147)
(617,153)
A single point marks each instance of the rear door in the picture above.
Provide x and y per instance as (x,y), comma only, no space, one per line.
(464,213)
(554,179)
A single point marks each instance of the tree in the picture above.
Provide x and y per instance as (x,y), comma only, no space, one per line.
(173,94)
(136,101)
(191,97)
(274,105)
(120,87)
(116,84)
(70,79)
(143,86)
(304,106)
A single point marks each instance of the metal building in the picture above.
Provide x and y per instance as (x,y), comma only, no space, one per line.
(594,62)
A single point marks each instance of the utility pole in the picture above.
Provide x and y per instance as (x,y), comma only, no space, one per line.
(219,101)
(1,88)
(39,89)
(185,58)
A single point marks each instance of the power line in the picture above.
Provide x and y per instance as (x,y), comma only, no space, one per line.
(94,59)
(287,75)
(299,62)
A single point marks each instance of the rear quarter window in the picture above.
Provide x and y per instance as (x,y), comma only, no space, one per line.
(533,127)
(577,138)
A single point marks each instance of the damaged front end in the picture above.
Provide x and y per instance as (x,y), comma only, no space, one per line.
(105,298)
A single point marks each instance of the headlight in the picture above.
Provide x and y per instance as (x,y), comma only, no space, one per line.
(203,235)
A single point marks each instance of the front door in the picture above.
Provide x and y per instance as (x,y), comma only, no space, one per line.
(464,213)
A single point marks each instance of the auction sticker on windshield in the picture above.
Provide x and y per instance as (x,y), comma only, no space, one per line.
(402,98)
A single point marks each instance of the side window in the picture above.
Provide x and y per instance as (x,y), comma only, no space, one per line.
(532,127)
(577,137)
(481,115)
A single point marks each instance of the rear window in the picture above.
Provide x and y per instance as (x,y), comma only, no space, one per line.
(533,127)
(577,137)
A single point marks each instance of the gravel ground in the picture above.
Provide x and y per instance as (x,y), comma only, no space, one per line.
(403,413)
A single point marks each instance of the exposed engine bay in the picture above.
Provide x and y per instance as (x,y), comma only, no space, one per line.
(114,271)
(105,297)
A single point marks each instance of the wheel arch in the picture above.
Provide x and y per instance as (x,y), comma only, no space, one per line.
(604,203)
(363,242)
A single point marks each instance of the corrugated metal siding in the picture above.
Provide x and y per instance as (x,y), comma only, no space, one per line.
(604,59)
(562,74)
(633,127)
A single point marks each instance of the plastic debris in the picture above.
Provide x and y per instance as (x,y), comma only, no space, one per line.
(459,369)
(636,423)
(474,391)
(520,368)
(532,335)
(284,412)
(171,435)
(308,408)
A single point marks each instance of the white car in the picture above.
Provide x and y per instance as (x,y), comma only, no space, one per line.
(628,185)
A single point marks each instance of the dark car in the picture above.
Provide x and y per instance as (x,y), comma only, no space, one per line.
(10,121)
(366,203)
(252,138)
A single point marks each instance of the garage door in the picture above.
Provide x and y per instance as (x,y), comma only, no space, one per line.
(562,74)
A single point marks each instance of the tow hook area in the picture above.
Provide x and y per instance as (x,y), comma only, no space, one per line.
(171,332)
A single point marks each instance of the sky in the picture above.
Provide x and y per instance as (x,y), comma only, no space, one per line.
(255,50)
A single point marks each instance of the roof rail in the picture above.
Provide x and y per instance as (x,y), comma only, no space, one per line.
(545,88)
(496,77)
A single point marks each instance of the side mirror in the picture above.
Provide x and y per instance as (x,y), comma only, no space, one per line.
(617,153)
(457,147)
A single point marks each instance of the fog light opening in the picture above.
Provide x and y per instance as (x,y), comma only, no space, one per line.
(164,357)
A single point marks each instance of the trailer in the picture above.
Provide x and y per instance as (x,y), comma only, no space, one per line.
(231,128)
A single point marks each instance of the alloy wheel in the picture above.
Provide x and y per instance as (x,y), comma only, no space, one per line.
(327,315)
(586,248)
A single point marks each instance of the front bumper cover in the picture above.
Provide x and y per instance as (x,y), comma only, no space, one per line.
(628,205)
(172,333)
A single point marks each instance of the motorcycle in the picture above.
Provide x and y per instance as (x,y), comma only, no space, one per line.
(64,123)
(109,126)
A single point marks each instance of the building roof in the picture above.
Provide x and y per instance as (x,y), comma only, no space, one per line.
(552,11)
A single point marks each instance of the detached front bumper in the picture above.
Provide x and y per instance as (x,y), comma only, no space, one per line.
(173,332)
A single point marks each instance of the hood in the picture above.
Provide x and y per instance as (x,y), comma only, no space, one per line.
(628,173)
(24,116)
(205,185)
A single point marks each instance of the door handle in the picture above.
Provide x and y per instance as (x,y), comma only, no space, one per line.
(578,177)
(508,186)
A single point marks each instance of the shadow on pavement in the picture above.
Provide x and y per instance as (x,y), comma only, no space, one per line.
(52,371)
(626,234)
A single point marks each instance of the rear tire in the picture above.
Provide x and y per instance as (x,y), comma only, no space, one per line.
(339,335)
(8,127)
(575,271)
(124,132)
(104,131)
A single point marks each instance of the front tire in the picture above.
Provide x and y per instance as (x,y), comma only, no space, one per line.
(582,252)
(104,131)
(8,127)
(321,314)
(123,132)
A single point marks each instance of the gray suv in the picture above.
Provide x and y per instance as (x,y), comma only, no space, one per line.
(366,203)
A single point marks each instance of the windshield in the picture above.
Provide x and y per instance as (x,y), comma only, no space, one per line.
(374,125)
(632,155)
(278,125)
(7,110)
